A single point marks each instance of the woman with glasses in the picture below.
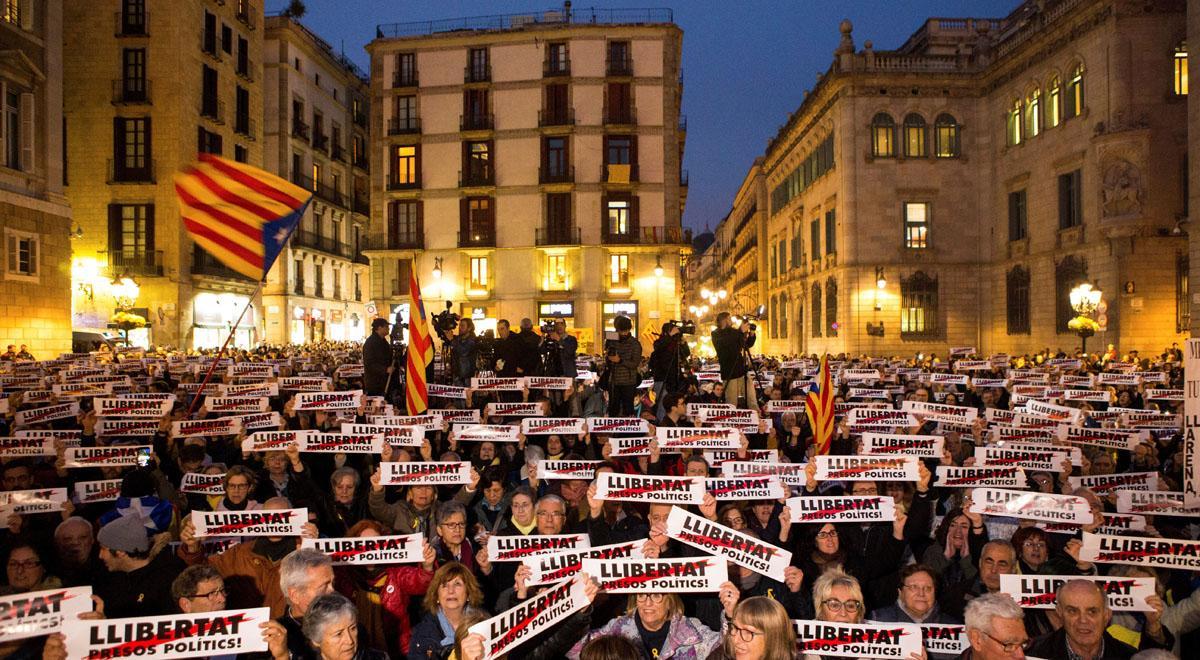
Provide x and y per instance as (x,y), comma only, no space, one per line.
(657,625)
(1033,549)
(732,516)
(240,482)
(451,542)
(26,571)
(760,629)
(838,598)
(452,593)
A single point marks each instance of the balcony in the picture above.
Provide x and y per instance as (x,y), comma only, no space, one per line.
(361,204)
(408,239)
(524,20)
(476,176)
(246,14)
(331,194)
(243,67)
(132,91)
(337,292)
(136,262)
(132,24)
(616,173)
(320,142)
(620,66)
(213,109)
(556,68)
(299,129)
(401,79)
(556,117)
(649,236)
(204,263)
(397,184)
(361,162)
(479,73)
(476,122)
(244,125)
(551,235)
(620,116)
(556,174)
(483,238)
(127,174)
(339,153)
(311,240)
(404,125)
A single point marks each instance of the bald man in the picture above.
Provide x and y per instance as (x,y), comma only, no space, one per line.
(1085,615)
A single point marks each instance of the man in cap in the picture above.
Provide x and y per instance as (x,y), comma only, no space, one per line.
(377,359)
(139,576)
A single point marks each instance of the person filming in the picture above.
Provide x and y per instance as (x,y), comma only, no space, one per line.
(624,356)
(669,351)
(464,352)
(731,345)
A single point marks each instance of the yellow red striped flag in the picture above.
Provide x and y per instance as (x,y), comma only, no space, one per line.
(240,214)
(818,403)
(420,353)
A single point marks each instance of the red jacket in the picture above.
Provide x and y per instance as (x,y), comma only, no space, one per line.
(392,595)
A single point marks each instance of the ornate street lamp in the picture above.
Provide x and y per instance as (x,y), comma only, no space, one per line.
(1084,300)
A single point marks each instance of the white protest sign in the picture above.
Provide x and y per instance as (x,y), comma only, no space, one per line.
(548,569)
(1107,438)
(649,488)
(37,613)
(717,457)
(552,425)
(428,422)
(517,548)
(203,484)
(682,437)
(126,427)
(866,468)
(744,488)
(515,409)
(1158,503)
(250,390)
(425,474)
(447,391)
(733,545)
(367,550)
(396,436)
(945,639)
(790,474)
(561,470)
(485,433)
(693,409)
(119,456)
(18,447)
(250,370)
(941,412)
(131,407)
(206,427)
(630,447)
(1037,461)
(273,440)
(307,384)
(781,406)
(736,416)
(924,446)
(25,502)
(858,640)
(308,401)
(1031,506)
(1191,426)
(508,630)
(644,576)
(617,425)
(262,522)
(260,421)
(842,509)
(88,492)
(457,415)
(1140,551)
(1103,484)
(349,443)
(879,418)
(498,384)
(1002,434)
(46,414)
(237,404)
(1039,591)
(165,637)
(1053,411)
(548,382)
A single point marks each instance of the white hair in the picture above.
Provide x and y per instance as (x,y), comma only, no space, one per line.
(1154,654)
(324,611)
(982,609)
(293,570)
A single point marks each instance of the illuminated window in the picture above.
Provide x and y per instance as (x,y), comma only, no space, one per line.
(1054,103)
(1181,78)
(918,306)
(404,165)
(1014,123)
(883,136)
(618,217)
(1075,92)
(618,270)
(916,225)
(1033,108)
(479,272)
(914,136)
(316,174)
(556,271)
(946,133)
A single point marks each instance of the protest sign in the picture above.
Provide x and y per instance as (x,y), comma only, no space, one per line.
(485,433)
(717,457)
(847,508)
(744,488)
(552,425)
(260,421)
(20,447)
(25,502)
(1103,484)
(548,569)
(46,414)
(866,468)
(858,375)
(694,409)
(627,447)
(429,474)
(1191,429)
(131,407)
(307,384)
(1157,503)
(227,632)
(923,446)
(683,437)
(308,401)
(88,492)
(250,389)
(517,548)
(429,422)
(790,474)
(949,379)
(722,541)
(1074,454)
(457,416)
(498,384)
(548,383)
(617,425)
(858,640)
(349,443)
(1004,434)
(80,389)
(37,613)
(1107,438)
(981,383)
(206,427)
(1093,396)
(203,484)
(880,418)
(508,630)
(369,550)
(649,488)
(1053,411)
(1151,420)
(516,409)
(396,436)
(558,470)
(447,391)
(127,427)
(1140,551)
(262,522)
(237,404)
(736,416)
(1164,395)
(273,440)
(940,412)
(250,370)
(1039,591)
(120,456)
(1031,506)
(656,576)
(1036,461)
(945,639)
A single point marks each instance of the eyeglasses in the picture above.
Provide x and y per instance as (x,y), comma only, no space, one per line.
(550,514)
(835,605)
(233,486)
(831,534)
(919,588)
(28,564)
(653,598)
(522,506)
(454,525)
(1034,545)
(1007,647)
(744,634)
(211,594)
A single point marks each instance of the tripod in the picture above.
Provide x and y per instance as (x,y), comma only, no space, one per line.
(744,399)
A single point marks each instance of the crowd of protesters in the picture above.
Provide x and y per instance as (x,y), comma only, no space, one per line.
(936,563)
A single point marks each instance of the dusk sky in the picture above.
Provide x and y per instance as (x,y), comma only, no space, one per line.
(746,63)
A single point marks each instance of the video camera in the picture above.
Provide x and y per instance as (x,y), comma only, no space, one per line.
(685,327)
(548,327)
(759,314)
(445,321)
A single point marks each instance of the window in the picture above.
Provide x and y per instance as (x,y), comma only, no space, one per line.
(556,162)
(782,257)
(830,232)
(317,179)
(478,69)
(475,109)
(133,17)
(241,115)
(23,253)
(13,131)
(243,57)
(774,320)
(1054,102)
(783,316)
(618,271)
(227,39)
(557,110)
(1014,123)
(557,62)
(916,225)
(1017,215)
(914,136)
(319,280)
(209,142)
(1183,308)
(618,217)
(405,166)
(946,137)
(1033,108)
(611,310)
(558,218)
(1070,200)
(556,273)
(918,306)
(132,149)
(406,70)
(240,153)
(209,42)
(1181,74)
(130,234)
(883,136)
(133,75)
(815,297)
(619,106)
(831,308)
(479,272)
(619,150)
(478,222)
(812,168)
(209,107)
(619,62)
(403,277)
(1017,294)
(477,163)
(814,238)
(1075,92)
(1068,274)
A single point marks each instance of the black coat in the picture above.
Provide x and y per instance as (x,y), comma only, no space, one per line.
(1054,645)
(508,350)
(728,343)
(377,357)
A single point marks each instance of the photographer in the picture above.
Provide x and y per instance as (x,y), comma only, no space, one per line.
(464,353)
(624,356)
(377,359)
(568,347)
(508,351)
(669,351)
(731,344)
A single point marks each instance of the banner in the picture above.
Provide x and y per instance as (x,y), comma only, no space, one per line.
(558,470)
(37,613)
(745,488)
(1031,506)
(722,541)
(1074,453)
(552,425)
(649,488)
(548,383)
(227,632)
(21,447)
(548,569)
(1003,434)
(941,412)
(485,433)
(250,389)
(945,639)
(425,474)
(866,468)
(396,436)
(1140,551)
(847,508)
(1056,412)
(206,427)
(630,447)
(1035,461)
(795,407)
(25,502)
(250,370)
(305,384)
(716,458)
(307,401)
(121,456)
(203,484)
(1039,591)
(349,443)
(518,548)
(1107,438)
(131,407)
(508,630)
(858,640)
(656,576)
(260,421)
(272,440)
(693,409)
(427,422)
(790,474)
(447,391)
(275,522)
(880,418)
(682,437)
(516,409)
(237,404)
(1159,503)
(367,550)
(498,384)
(617,425)
(923,446)
(1103,484)
(46,414)
(142,428)
(737,416)
(88,492)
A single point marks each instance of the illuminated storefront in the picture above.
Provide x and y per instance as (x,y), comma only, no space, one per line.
(213,315)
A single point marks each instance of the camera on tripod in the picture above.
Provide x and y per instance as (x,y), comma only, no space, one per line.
(685,327)
(445,321)
(548,327)
(759,314)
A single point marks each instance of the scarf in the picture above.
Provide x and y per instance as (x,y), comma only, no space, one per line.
(523,528)
(447,629)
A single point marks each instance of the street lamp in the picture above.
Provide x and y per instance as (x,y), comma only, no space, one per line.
(125,291)
(658,268)
(1084,300)
(880,280)
(437,268)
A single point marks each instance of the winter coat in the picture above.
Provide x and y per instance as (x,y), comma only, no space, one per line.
(625,372)
(687,638)
(391,591)
(251,580)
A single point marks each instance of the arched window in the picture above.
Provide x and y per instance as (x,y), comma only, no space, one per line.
(1068,274)
(914,136)
(1014,123)
(1181,80)
(946,131)
(1054,102)
(816,309)
(1033,111)
(783,316)
(1075,92)
(1018,301)
(831,310)
(883,136)
(918,306)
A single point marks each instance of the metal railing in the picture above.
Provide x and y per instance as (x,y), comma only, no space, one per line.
(563,117)
(620,115)
(552,68)
(244,125)
(477,239)
(406,240)
(477,74)
(400,80)
(556,175)
(361,162)
(133,25)
(476,122)
(550,235)
(298,286)
(131,91)
(649,236)
(299,129)
(204,263)
(338,153)
(361,204)
(513,21)
(476,176)
(404,125)
(246,14)
(320,142)
(213,109)
(396,184)
(209,44)
(619,66)
(120,173)
(360,119)
(327,244)
(148,263)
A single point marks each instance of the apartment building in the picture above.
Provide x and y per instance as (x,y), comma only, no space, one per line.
(529,166)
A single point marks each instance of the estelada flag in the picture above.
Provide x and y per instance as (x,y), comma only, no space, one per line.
(240,214)
(420,353)
(818,403)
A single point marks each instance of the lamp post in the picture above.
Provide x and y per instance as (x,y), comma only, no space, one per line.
(1084,300)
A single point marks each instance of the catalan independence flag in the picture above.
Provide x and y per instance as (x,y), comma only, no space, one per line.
(240,214)
(420,353)
(818,403)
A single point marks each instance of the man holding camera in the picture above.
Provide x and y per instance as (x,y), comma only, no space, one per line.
(669,351)
(377,359)
(731,344)
(624,356)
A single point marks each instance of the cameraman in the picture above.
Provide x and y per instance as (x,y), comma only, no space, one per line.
(568,347)
(624,356)
(464,353)
(377,359)
(730,344)
(669,351)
